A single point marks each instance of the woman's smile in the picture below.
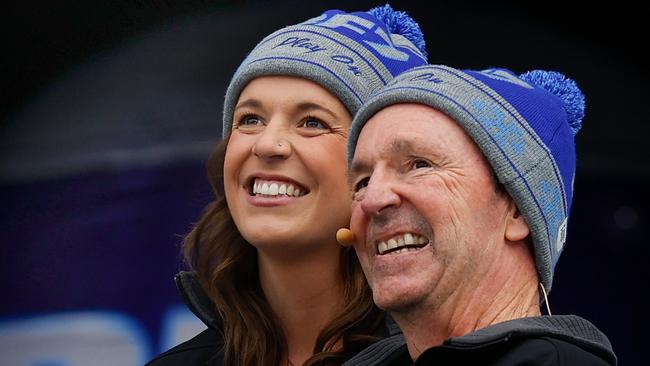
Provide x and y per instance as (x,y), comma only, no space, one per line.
(273,190)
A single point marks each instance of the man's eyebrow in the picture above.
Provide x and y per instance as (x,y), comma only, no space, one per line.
(401,147)
(398,147)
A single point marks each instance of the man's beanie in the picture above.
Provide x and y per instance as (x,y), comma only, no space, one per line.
(349,54)
(525,126)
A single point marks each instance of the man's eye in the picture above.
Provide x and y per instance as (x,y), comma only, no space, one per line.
(314,123)
(420,164)
(361,184)
(250,120)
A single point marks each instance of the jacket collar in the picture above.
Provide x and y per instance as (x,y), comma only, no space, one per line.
(570,328)
(197,300)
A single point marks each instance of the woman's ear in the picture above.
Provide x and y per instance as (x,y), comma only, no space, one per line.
(516,227)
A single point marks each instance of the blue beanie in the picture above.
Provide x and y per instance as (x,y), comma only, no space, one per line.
(349,54)
(524,125)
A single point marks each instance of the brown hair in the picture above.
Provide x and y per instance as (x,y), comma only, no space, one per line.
(226,266)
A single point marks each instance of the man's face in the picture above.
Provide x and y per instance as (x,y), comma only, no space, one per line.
(426,213)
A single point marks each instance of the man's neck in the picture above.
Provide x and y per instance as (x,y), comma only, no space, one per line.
(503,294)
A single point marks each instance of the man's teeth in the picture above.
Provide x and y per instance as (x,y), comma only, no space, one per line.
(273,188)
(406,242)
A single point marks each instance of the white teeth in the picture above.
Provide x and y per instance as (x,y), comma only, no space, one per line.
(401,242)
(273,188)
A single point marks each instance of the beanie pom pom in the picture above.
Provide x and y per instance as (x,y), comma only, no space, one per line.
(565,89)
(399,22)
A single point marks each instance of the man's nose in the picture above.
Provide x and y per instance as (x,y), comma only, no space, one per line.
(273,143)
(379,194)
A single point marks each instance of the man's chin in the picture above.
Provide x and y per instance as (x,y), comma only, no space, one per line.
(394,302)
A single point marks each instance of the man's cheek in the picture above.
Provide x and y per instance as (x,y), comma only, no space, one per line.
(356,221)
(364,260)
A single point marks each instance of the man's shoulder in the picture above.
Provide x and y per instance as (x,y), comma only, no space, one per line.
(549,351)
(197,351)
(533,351)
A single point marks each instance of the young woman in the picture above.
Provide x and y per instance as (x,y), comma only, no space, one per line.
(270,280)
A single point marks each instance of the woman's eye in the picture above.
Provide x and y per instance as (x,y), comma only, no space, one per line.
(420,164)
(250,120)
(314,123)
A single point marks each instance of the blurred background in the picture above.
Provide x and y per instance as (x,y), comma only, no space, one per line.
(109,110)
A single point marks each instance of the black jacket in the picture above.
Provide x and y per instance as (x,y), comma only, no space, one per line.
(545,340)
(207,347)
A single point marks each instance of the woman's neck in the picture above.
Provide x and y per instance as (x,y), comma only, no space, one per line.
(304,294)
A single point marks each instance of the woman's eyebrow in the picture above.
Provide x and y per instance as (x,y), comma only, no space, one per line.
(249,103)
(309,106)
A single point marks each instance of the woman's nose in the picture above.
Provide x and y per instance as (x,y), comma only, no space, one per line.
(273,143)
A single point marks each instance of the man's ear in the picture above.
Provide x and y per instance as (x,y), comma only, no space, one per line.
(516,226)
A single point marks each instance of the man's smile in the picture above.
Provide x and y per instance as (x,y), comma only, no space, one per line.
(401,243)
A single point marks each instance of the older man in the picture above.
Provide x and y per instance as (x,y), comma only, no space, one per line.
(462,186)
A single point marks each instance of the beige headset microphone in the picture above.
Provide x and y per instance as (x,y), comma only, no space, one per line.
(345,237)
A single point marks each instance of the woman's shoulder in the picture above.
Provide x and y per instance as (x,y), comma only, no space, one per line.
(204,348)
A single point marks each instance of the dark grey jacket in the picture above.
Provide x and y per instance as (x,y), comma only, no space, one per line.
(544,340)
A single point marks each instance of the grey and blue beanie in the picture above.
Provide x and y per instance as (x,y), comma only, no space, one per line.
(524,125)
(349,54)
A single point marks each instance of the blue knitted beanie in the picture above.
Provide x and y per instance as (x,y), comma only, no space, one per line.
(524,125)
(349,54)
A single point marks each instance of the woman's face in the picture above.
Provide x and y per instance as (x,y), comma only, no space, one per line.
(285,170)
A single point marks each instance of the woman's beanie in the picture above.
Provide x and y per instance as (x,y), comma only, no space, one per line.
(349,54)
(525,126)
